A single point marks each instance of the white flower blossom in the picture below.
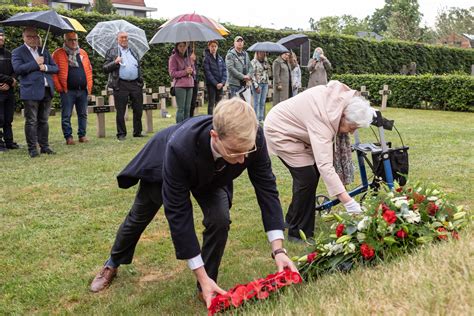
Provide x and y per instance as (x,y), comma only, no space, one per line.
(411,217)
(350,248)
(400,203)
(333,248)
(363,224)
(432,198)
(391,228)
(360,237)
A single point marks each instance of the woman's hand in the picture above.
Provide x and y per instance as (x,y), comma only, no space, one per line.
(352,207)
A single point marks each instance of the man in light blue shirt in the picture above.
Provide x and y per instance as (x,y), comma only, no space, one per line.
(123,67)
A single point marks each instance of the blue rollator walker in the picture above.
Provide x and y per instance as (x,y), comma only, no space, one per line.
(388,164)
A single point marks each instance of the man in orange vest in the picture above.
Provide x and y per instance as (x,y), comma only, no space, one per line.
(74,83)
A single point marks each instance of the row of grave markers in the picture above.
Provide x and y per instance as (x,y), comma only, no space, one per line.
(100,108)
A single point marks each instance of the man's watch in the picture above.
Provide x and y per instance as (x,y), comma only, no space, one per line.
(278,251)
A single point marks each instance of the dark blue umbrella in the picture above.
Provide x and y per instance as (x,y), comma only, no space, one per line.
(293,40)
(47,20)
(268,47)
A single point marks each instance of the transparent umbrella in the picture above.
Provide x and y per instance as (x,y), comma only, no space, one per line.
(104,36)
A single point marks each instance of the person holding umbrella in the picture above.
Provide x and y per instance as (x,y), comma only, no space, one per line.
(182,70)
(34,66)
(122,64)
(261,72)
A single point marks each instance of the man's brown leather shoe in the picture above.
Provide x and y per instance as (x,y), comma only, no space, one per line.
(103,279)
(70,141)
(83,139)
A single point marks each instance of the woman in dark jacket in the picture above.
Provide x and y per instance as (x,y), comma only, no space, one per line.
(215,72)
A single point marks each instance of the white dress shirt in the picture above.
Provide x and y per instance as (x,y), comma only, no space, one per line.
(34,52)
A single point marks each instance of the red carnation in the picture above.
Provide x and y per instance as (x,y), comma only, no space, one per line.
(390,217)
(367,251)
(340,230)
(455,234)
(442,230)
(312,256)
(432,208)
(385,208)
(402,234)
(399,189)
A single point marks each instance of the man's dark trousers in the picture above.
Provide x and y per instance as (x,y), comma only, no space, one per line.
(215,208)
(36,121)
(133,90)
(7,109)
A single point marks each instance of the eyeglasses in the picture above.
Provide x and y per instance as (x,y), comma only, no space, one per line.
(233,155)
(32,36)
(72,40)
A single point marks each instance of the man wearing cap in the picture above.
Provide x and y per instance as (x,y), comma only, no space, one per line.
(34,67)
(74,83)
(7,97)
(238,66)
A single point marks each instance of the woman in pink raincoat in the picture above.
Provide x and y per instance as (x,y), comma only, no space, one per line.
(301,132)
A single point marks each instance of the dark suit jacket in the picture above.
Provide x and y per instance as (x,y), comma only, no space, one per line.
(180,158)
(111,68)
(31,78)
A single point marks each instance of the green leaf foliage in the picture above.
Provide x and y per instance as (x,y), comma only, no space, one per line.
(447,92)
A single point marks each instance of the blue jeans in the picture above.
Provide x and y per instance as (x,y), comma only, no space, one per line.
(68,100)
(259,100)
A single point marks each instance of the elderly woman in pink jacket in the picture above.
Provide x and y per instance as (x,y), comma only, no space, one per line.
(301,132)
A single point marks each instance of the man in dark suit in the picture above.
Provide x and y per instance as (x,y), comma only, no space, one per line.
(125,78)
(7,97)
(199,156)
(34,69)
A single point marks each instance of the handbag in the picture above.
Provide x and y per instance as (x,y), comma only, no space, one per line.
(172,92)
(398,161)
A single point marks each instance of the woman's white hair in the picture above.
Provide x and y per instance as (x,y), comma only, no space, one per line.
(359,112)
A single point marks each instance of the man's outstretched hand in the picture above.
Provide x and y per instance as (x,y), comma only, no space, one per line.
(282,261)
(208,286)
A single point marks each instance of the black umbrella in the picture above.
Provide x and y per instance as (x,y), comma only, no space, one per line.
(47,20)
(293,40)
(268,47)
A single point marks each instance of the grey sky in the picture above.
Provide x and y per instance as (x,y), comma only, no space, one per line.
(296,14)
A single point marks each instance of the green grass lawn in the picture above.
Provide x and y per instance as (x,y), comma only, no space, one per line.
(59,215)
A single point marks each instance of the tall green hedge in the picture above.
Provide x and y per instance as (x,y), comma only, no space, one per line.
(448,92)
(347,54)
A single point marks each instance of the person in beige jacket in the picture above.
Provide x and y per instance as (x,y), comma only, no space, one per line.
(318,66)
(282,86)
(301,132)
